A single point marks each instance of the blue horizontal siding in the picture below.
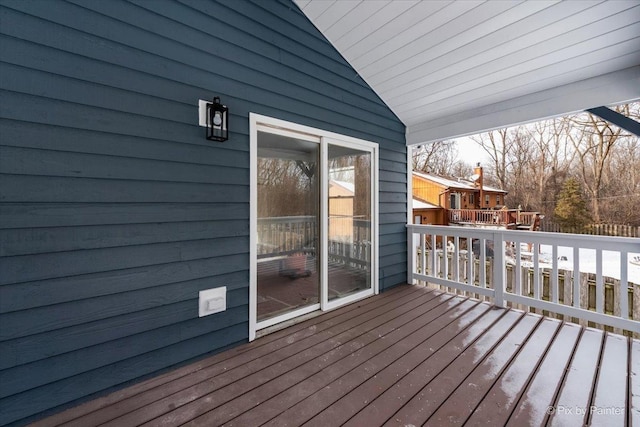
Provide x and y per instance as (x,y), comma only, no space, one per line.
(26,268)
(50,291)
(36,215)
(115,211)
(36,135)
(63,239)
(36,347)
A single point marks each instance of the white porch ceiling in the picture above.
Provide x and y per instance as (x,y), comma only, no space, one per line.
(454,68)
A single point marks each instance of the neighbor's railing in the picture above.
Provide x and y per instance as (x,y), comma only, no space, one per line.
(501,217)
(478,216)
(534,269)
(526,218)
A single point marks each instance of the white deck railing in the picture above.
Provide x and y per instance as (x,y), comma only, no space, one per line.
(533,269)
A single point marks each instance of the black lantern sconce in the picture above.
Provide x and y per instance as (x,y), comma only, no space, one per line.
(217,121)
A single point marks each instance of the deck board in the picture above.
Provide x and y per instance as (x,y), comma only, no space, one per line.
(497,405)
(409,356)
(611,388)
(571,406)
(532,408)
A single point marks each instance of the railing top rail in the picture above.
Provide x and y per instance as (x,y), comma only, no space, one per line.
(587,241)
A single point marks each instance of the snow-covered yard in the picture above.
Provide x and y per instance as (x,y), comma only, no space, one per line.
(587,260)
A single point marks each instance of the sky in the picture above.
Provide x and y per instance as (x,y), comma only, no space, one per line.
(470,152)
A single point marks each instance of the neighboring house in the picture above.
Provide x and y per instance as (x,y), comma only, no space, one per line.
(341,197)
(440,200)
(460,193)
(427,213)
(117,212)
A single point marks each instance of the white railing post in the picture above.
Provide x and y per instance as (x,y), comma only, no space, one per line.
(576,277)
(423,253)
(482,262)
(470,262)
(498,269)
(554,287)
(599,283)
(623,289)
(410,255)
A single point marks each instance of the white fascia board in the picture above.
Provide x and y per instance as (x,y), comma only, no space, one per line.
(608,89)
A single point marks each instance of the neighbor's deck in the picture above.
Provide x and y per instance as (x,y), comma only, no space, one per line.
(408,356)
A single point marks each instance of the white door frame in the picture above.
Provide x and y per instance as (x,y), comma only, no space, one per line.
(260,122)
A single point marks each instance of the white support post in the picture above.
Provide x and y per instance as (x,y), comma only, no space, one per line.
(410,256)
(410,246)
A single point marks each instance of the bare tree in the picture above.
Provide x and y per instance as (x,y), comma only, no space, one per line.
(520,161)
(594,140)
(550,162)
(287,187)
(461,169)
(621,201)
(496,145)
(437,158)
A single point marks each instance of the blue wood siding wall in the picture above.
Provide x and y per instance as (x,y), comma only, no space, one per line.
(115,210)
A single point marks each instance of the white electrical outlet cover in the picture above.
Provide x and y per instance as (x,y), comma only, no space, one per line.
(212,301)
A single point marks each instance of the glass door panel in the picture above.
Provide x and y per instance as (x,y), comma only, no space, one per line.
(349,223)
(288,228)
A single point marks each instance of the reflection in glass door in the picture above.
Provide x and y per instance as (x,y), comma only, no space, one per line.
(288,276)
(349,225)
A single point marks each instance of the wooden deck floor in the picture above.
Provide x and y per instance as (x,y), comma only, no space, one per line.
(410,356)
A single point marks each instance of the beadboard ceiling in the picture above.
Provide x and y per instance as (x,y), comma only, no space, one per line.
(454,68)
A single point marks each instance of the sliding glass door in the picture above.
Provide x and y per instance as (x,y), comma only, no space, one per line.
(313,221)
(349,223)
(288,277)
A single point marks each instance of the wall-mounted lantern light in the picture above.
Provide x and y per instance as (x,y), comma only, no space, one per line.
(217,121)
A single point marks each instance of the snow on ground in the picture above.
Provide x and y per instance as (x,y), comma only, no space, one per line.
(610,262)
